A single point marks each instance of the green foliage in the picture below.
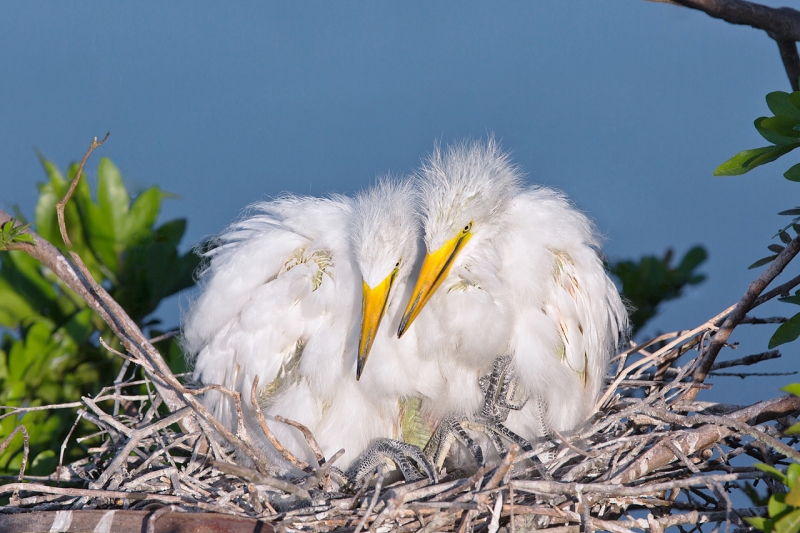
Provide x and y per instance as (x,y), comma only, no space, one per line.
(11,234)
(652,280)
(782,130)
(50,352)
(783,508)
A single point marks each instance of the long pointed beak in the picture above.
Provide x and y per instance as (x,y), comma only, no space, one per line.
(373,307)
(433,272)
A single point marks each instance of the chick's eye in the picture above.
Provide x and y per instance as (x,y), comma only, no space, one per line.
(397,265)
(468,227)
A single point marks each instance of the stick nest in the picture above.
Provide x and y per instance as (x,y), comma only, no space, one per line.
(647,449)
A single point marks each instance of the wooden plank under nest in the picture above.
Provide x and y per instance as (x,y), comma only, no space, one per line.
(108,521)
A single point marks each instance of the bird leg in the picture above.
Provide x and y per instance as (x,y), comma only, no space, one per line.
(389,451)
(498,389)
(449,431)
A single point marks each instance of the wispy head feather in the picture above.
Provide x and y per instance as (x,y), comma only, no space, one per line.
(470,181)
(385,228)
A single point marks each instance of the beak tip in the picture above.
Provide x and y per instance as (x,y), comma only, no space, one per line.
(359,368)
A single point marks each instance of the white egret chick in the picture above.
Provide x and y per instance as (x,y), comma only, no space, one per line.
(513,271)
(281,298)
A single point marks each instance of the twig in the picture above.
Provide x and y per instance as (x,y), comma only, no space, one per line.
(570,445)
(791,61)
(64,448)
(744,305)
(683,336)
(555,487)
(312,442)
(133,441)
(255,476)
(769,320)
(285,453)
(62,204)
(22,410)
(373,501)
(165,336)
(743,375)
(780,290)
(25,448)
(745,361)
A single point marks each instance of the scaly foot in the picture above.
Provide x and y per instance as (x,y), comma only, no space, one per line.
(410,460)
(498,389)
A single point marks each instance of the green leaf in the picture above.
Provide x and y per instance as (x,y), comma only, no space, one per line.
(739,164)
(796,211)
(777,505)
(789,523)
(793,174)
(759,522)
(794,429)
(771,470)
(44,463)
(785,237)
(792,473)
(782,126)
(763,261)
(778,130)
(791,299)
(777,248)
(112,197)
(768,157)
(142,216)
(786,332)
(781,103)
(794,388)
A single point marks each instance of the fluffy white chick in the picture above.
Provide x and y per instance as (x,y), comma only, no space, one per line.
(511,270)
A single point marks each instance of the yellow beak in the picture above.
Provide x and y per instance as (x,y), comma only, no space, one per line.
(435,269)
(373,307)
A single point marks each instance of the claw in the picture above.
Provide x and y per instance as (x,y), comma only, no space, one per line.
(498,389)
(410,460)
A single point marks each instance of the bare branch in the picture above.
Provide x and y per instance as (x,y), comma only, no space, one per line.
(791,61)
(25,447)
(744,305)
(62,204)
(312,442)
(746,361)
(289,456)
(255,476)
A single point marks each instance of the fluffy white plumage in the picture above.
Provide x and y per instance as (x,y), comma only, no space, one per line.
(282,299)
(511,270)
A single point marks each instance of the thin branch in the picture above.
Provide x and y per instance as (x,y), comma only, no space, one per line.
(25,447)
(373,501)
(769,320)
(255,476)
(62,204)
(751,374)
(285,453)
(557,487)
(746,361)
(791,61)
(312,442)
(744,305)
(780,290)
